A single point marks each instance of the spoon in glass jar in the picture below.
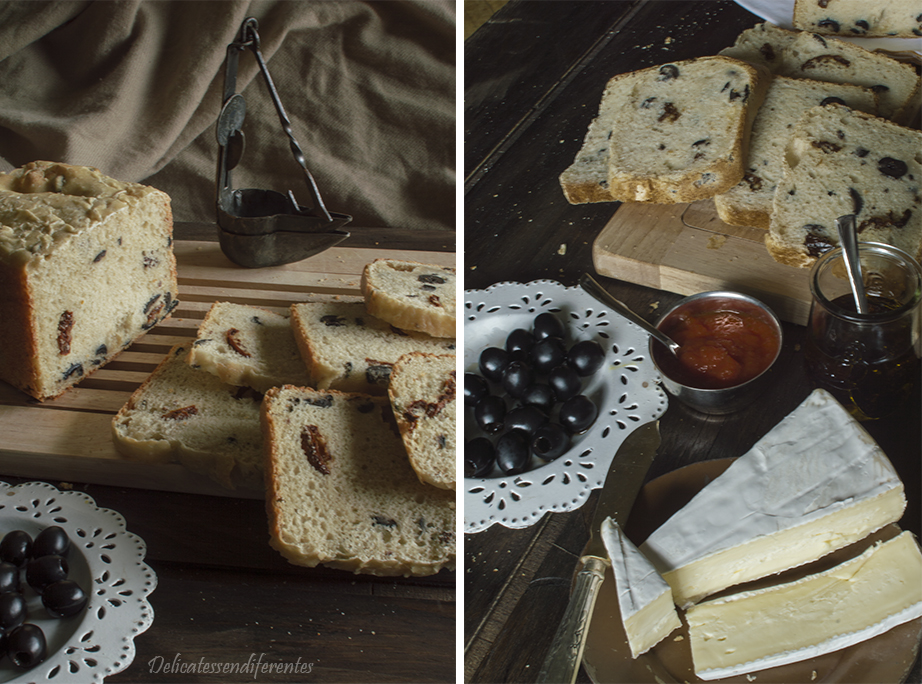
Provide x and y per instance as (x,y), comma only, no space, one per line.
(848,238)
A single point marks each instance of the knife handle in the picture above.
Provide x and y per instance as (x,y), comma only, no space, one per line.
(566,652)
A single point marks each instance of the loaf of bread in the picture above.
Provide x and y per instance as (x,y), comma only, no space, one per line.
(422,392)
(248,346)
(896,18)
(340,490)
(801,54)
(840,161)
(86,267)
(348,349)
(749,203)
(411,296)
(185,415)
(671,133)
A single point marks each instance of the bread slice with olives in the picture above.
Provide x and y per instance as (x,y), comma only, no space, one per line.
(671,133)
(860,18)
(749,203)
(840,161)
(411,295)
(341,492)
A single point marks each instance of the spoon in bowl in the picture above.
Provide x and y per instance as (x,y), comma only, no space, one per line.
(848,238)
(593,288)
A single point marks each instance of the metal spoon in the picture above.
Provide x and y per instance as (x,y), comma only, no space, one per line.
(848,238)
(592,287)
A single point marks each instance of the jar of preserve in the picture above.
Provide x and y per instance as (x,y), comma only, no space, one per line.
(870,361)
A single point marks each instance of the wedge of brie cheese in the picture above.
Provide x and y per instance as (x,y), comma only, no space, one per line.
(820,613)
(815,483)
(645,599)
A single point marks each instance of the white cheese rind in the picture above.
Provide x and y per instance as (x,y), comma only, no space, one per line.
(815,483)
(818,614)
(644,598)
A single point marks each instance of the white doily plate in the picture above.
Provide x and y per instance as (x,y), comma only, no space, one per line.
(626,389)
(107,561)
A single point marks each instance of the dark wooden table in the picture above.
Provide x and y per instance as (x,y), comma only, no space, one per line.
(533,78)
(225,597)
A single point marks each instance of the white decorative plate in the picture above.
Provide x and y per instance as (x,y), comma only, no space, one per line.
(627,391)
(107,562)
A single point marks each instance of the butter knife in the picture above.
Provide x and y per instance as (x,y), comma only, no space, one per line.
(622,484)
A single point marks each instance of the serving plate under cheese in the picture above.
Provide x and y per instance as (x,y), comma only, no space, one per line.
(883,659)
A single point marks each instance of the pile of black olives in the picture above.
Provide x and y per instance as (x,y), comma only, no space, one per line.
(543,381)
(43,562)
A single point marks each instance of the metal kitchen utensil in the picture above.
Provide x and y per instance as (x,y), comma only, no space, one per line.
(849,241)
(592,287)
(260,228)
(622,484)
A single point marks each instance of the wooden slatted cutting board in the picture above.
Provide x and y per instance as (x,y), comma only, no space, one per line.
(68,439)
(686,248)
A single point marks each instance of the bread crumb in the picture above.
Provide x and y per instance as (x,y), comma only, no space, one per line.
(562,249)
(654,306)
(679,637)
(668,40)
(716,241)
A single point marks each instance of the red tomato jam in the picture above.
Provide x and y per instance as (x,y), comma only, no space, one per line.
(723,343)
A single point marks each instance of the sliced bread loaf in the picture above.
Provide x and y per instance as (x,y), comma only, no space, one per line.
(181,414)
(897,18)
(671,133)
(840,161)
(422,392)
(248,346)
(348,349)
(341,492)
(749,203)
(411,296)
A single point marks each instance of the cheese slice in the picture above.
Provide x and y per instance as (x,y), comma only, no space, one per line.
(815,483)
(645,599)
(820,613)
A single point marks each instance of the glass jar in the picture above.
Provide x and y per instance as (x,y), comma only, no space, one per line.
(869,362)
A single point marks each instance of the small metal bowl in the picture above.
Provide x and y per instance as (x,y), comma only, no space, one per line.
(725,399)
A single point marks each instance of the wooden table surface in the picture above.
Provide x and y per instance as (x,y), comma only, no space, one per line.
(225,597)
(534,76)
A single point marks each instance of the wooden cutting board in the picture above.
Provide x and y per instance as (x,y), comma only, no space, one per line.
(686,248)
(68,439)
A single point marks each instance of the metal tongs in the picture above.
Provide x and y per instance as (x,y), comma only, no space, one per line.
(260,228)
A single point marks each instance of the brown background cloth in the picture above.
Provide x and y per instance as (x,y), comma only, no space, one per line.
(134,88)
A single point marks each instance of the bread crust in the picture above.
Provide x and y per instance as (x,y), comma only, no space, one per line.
(736,215)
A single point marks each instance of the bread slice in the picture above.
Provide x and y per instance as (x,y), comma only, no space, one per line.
(248,346)
(341,492)
(422,392)
(348,349)
(671,133)
(184,415)
(840,161)
(881,18)
(411,296)
(801,54)
(749,203)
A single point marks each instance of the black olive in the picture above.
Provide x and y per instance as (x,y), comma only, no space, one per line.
(519,343)
(475,389)
(12,610)
(525,418)
(26,646)
(492,362)
(16,547)
(489,414)
(895,168)
(512,452)
(550,442)
(42,571)
(565,382)
(63,598)
(517,378)
(578,413)
(547,325)
(540,396)
(832,99)
(548,353)
(586,357)
(479,457)
(667,72)
(52,541)
(9,578)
